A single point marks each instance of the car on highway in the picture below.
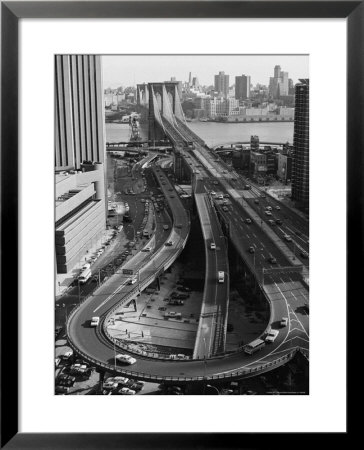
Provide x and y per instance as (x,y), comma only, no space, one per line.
(284,322)
(272,260)
(267,213)
(278,222)
(147,249)
(213,246)
(95,321)
(271,336)
(125,359)
(169,243)
(251,249)
(213,193)
(304,254)
(247,220)
(287,237)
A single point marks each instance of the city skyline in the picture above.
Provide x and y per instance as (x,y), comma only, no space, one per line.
(129,70)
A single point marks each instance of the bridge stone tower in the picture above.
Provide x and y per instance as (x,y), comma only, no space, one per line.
(164,102)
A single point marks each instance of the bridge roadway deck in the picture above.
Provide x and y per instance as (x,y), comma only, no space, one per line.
(211,331)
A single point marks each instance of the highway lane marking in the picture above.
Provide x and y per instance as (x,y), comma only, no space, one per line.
(297,319)
(297,337)
(112,295)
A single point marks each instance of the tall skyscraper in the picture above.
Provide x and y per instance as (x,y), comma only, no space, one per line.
(80,161)
(222,84)
(278,85)
(79,111)
(242,87)
(300,163)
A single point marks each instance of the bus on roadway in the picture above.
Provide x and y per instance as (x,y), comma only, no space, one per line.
(254,346)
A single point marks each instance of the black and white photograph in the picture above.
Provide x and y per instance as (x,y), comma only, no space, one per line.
(182,224)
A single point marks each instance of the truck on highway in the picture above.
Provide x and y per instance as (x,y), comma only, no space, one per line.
(221,276)
(84,276)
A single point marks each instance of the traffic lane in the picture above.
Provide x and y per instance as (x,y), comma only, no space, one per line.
(258,239)
(297,230)
(105,353)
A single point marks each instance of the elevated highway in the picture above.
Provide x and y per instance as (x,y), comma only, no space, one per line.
(281,288)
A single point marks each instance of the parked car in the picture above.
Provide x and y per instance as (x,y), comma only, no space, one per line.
(126,391)
(68,355)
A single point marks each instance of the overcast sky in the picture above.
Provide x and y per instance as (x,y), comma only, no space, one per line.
(127,70)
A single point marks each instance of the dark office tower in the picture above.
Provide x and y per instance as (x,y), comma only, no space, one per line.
(190,79)
(79,128)
(300,163)
(242,87)
(222,84)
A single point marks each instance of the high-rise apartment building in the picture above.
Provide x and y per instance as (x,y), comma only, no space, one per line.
(79,111)
(300,162)
(222,84)
(242,87)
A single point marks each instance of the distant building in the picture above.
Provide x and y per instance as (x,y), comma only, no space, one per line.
(219,107)
(242,87)
(254,143)
(258,164)
(300,166)
(241,159)
(222,84)
(278,85)
(284,170)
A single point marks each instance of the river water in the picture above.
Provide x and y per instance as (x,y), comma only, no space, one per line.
(214,133)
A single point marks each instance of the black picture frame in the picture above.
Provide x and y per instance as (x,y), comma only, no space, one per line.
(11,12)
